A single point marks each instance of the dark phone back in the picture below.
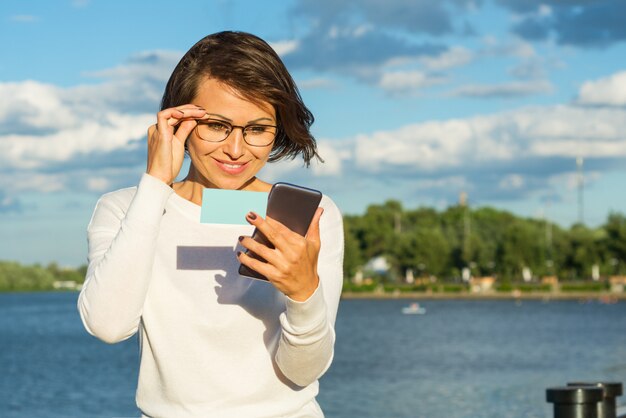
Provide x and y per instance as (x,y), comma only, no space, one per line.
(293,206)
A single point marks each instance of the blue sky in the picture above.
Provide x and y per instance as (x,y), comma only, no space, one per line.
(415,100)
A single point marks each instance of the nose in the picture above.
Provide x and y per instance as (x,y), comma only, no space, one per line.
(234,144)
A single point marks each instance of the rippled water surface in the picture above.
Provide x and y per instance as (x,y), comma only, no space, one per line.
(465,359)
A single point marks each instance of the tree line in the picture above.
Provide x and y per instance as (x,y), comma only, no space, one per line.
(484,241)
(17,277)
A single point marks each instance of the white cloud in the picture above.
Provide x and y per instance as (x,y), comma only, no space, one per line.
(49,147)
(105,134)
(46,129)
(544,10)
(362,30)
(274,172)
(34,106)
(145,65)
(407,74)
(426,146)
(25,18)
(515,48)
(529,69)
(134,86)
(283,48)
(401,81)
(28,181)
(316,83)
(452,58)
(451,182)
(538,133)
(608,91)
(349,31)
(570,180)
(9,203)
(511,181)
(98,184)
(333,153)
(511,89)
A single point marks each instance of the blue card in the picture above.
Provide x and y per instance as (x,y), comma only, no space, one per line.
(221,206)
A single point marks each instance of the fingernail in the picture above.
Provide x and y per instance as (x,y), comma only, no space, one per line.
(252,215)
(238,254)
(240,239)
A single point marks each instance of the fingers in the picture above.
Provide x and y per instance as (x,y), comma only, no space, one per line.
(256,247)
(278,234)
(151,130)
(166,140)
(173,116)
(291,266)
(184,129)
(313,233)
(266,269)
(167,119)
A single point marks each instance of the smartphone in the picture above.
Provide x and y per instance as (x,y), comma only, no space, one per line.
(293,206)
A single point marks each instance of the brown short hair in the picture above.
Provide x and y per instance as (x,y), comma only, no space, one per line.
(249,65)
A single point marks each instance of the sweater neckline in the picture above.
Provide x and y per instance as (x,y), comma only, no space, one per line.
(186,207)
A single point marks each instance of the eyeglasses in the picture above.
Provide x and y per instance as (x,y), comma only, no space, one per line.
(215,130)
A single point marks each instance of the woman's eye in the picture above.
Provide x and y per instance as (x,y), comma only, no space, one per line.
(217,126)
(257,129)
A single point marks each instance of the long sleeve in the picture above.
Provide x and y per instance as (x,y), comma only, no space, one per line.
(306,347)
(122,240)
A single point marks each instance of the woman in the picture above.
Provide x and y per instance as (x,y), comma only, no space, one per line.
(214,343)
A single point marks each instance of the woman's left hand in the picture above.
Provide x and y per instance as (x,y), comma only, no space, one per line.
(292,265)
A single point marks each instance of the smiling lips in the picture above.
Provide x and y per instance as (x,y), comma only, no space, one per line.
(230,167)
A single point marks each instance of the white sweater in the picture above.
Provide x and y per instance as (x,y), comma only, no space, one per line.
(213,343)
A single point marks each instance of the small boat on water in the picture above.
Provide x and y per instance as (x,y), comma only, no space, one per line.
(414,309)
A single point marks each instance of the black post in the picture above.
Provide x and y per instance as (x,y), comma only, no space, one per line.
(575,401)
(610,390)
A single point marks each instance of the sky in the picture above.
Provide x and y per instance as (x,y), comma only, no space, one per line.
(414,100)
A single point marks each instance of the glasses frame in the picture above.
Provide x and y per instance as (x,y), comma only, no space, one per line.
(232,128)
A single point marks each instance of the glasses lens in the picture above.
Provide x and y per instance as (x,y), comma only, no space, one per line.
(259,135)
(213,130)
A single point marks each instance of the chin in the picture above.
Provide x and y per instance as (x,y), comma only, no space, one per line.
(213,177)
(230,183)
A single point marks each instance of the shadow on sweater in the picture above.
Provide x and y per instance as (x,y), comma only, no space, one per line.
(259,298)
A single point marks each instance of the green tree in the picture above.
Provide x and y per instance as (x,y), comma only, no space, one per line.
(424,250)
(377,229)
(520,248)
(615,242)
(353,257)
(585,250)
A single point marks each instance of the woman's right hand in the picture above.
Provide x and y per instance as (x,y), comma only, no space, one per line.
(166,140)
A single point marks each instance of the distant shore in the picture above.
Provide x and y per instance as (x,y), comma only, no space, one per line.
(606,297)
(603,297)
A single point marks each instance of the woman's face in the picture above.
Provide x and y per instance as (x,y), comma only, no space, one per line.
(232,163)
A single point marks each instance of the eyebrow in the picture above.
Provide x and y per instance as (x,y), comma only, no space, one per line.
(230,120)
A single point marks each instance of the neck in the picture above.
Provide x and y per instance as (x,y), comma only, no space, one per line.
(191,187)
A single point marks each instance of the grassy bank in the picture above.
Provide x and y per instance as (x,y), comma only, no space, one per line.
(606,297)
(15,277)
(567,290)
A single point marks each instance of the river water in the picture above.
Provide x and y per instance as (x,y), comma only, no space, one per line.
(463,359)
